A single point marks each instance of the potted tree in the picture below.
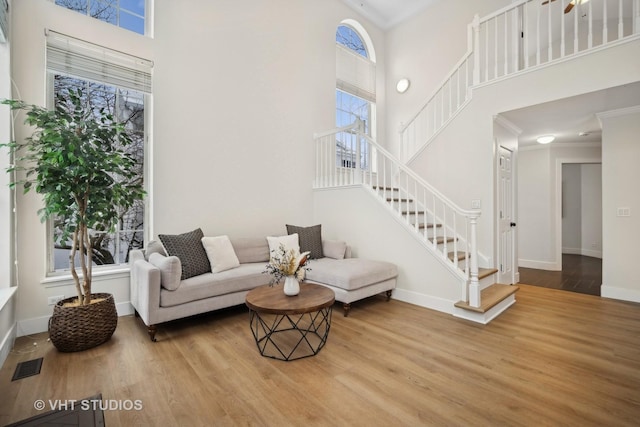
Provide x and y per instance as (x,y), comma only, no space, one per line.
(76,159)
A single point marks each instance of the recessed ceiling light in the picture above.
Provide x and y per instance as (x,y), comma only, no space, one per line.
(545,139)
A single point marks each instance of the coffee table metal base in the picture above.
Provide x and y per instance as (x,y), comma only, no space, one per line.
(290,336)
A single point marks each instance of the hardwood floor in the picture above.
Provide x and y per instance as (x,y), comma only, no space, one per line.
(579,273)
(554,358)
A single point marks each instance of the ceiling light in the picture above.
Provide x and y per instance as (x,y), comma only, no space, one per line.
(403,85)
(545,139)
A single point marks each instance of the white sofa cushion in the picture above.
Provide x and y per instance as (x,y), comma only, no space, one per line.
(335,249)
(251,249)
(289,242)
(220,253)
(170,270)
(243,278)
(350,273)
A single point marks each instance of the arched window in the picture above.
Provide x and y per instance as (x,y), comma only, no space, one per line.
(355,92)
(355,76)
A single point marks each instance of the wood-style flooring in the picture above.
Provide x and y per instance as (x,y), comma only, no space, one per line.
(552,359)
(579,273)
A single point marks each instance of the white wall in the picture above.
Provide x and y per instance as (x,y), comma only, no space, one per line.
(591,188)
(620,177)
(235,113)
(239,90)
(535,243)
(425,49)
(582,209)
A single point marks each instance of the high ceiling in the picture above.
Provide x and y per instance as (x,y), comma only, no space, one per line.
(388,13)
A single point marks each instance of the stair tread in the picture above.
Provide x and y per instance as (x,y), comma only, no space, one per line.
(490,297)
(440,240)
(485,272)
(428,225)
(461,255)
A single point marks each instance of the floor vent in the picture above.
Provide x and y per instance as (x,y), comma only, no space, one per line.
(27,369)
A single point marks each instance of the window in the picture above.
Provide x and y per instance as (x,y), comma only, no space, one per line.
(120,84)
(355,93)
(128,14)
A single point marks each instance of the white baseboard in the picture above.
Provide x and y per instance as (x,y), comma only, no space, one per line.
(37,325)
(422,300)
(539,265)
(623,294)
(582,251)
(7,344)
(572,251)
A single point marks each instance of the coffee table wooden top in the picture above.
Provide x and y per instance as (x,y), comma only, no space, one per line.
(271,299)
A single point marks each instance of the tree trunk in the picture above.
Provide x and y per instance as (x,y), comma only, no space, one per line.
(72,264)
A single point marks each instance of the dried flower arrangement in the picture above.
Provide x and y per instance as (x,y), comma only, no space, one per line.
(285,263)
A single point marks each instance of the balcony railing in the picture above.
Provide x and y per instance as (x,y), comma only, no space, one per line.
(519,37)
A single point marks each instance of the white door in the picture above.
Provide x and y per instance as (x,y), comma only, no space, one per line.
(506,220)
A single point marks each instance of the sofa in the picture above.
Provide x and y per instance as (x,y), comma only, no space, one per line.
(188,274)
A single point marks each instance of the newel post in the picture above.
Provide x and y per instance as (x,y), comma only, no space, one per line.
(474,285)
(476,49)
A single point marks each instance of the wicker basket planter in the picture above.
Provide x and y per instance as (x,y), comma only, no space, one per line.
(83,327)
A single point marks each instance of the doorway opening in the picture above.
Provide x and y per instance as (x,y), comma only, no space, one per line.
(578,230)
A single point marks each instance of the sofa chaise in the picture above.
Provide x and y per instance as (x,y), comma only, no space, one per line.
(172,279)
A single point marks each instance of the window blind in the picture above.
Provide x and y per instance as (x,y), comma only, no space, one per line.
(78,58)
(355,74)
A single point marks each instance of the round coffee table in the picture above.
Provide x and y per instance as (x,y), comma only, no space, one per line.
(290,328)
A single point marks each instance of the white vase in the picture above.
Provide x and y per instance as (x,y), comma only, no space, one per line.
(291,286)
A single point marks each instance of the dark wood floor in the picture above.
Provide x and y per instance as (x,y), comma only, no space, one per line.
(579,273)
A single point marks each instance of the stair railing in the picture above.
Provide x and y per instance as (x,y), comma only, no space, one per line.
(348,157)
(517,38)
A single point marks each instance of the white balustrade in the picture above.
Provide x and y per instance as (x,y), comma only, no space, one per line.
(346,157)
(521,36)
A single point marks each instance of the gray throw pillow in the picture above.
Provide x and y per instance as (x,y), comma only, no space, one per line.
(170,270)
(335,249)
(310,239)
(188,248)
(154,247)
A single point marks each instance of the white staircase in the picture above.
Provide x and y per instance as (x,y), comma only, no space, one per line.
(444,229)
(521,37)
